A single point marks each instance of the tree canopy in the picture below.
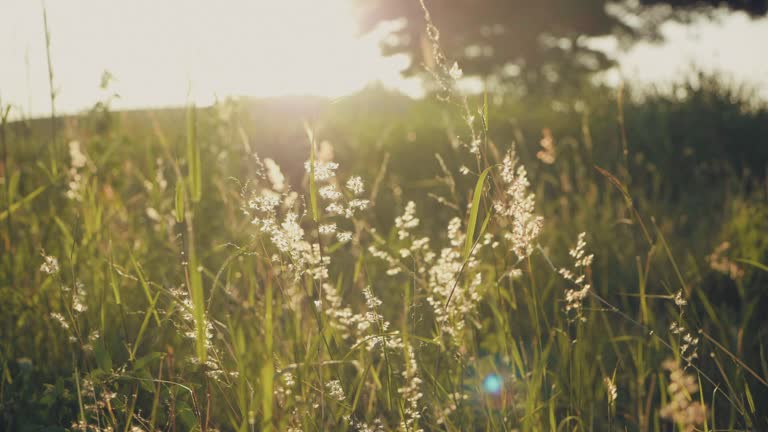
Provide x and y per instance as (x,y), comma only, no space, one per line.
(534,42)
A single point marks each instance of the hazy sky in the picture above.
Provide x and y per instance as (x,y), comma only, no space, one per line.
(158,50)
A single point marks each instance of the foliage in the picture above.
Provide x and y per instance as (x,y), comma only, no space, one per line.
(536,45)
(353,321)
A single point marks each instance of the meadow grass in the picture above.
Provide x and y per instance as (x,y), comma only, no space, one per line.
(438,267)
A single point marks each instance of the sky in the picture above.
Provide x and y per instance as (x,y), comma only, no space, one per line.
(163,53)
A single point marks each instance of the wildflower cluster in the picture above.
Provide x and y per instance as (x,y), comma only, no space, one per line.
(517,206)
(444,269)
(681,409)
(50,264)
(359,325)
(719,262)
(411,395)
(574,298)
(284,385)
(413,248)
(688,342)
(74,303)
(277,212)
(547,154)
(187,328)
(335,390)
(76,182)
(611,390)
(336,202)
(360,426)
(444,284)
(160,180)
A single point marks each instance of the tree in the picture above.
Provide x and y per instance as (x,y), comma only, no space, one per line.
(534,42)
(752,7)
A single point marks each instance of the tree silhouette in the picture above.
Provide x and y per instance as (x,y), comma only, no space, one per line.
(534,42)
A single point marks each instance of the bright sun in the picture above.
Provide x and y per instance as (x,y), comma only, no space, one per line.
(158,50)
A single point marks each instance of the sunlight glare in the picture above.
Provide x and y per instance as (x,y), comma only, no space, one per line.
(158,51)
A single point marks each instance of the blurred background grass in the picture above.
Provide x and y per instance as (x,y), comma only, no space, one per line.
(695,166)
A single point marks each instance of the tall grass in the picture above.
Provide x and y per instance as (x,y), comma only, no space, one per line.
(171,279)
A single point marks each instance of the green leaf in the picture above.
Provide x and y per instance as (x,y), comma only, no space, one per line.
(198,304)
(473,213)
(113,278)
(68,238)
(23,201)
(13,186)
(179,201)
(144,324)
(267,383)
(193,156)
(750,401)
(753,263)
(145,285)
(312,185)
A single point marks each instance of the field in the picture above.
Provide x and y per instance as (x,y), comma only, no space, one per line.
(591,261)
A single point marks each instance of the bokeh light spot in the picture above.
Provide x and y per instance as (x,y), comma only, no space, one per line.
(492,384)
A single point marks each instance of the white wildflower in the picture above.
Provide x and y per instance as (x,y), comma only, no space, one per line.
(267,202)
(327,228)
(547,154)
(407,221)
(371,301)
(325,153)
(679,299)
(76,156)
(335,209)
(274,175)
(59,318)
(329,192)
(455,72)
(355,184)
(720,263)
(335,390)
(518,207)
(682,409)
(75,184)
(78,300)
(574,297)
(356,205)
(159,176)
(474,147)
(454,232)
(411,394)
(153,214)
(323,170)
(50,264)
(611,390)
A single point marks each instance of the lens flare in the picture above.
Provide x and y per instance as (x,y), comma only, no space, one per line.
(492,384)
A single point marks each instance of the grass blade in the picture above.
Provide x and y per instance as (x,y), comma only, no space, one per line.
(312,185)
(15,206)
(753,263)
(179,202)
(195,281)
(145,285)
(150,312)
(473,213)
(193,156)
